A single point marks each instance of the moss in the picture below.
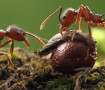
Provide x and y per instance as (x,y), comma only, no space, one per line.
(37,74)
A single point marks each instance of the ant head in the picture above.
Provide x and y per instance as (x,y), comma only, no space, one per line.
(68,17)
(2,34)
(17,34)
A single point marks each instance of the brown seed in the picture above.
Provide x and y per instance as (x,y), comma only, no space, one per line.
(71,55)
(67,55)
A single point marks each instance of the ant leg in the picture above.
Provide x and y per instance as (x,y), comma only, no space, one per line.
(90,33)
(84,10)
(81,11)
(82,76)
(42,25)
(10,64)
(80,25)
(11,49)
(12,46)
(74,34)
(91,23)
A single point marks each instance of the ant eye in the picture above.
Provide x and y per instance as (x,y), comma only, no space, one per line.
(63,17)
(17,33)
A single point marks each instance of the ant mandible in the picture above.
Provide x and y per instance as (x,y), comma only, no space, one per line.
(70,15)
(15,33)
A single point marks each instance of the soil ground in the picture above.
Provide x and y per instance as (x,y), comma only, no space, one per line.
(37,74)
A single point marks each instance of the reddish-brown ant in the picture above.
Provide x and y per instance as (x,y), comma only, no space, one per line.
(70,15)
(15,33)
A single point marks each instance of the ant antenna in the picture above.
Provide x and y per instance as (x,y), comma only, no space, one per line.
(33,35)
(42,25)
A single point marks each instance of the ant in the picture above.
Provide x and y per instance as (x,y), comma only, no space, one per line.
(15,33)
(70,15)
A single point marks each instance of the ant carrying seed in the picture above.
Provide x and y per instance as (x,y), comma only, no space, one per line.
(70,15)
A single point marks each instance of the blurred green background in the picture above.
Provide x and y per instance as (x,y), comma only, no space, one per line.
(29,14)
